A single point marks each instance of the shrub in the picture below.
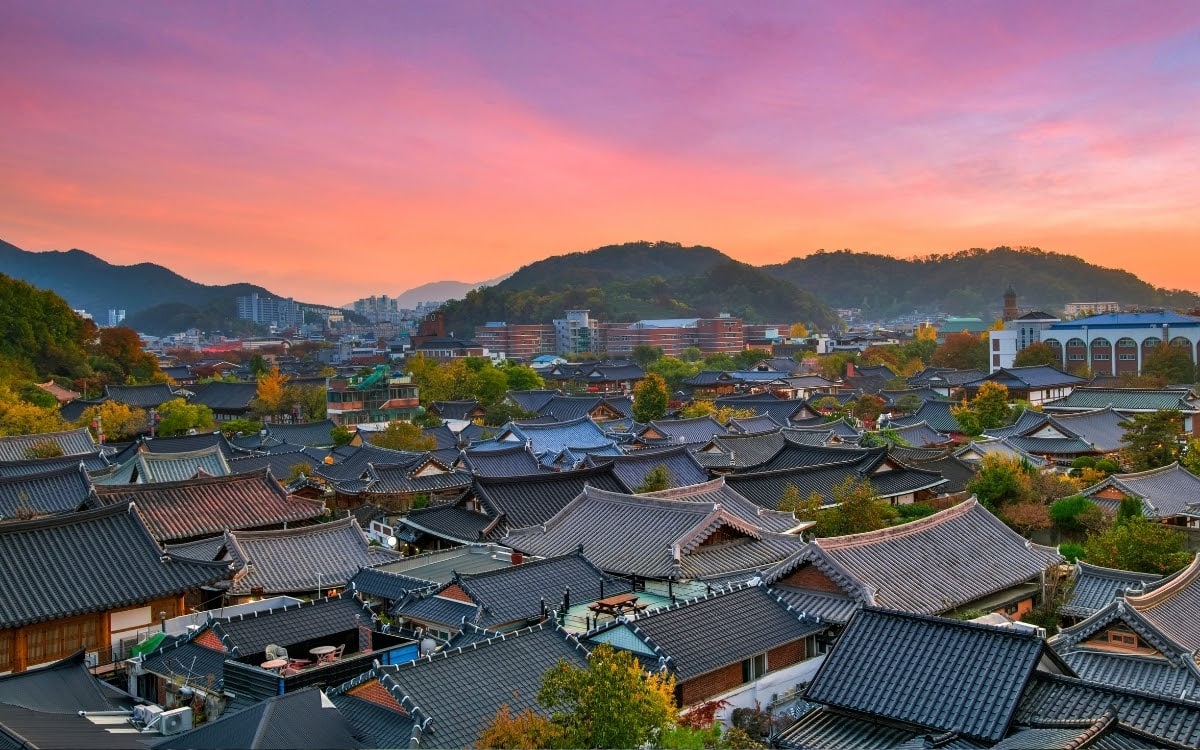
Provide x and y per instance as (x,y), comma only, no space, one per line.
(1075,514)
(1072,551)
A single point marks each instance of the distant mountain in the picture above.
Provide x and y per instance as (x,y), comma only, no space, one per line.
(440,291)
(971,282)
(637,281)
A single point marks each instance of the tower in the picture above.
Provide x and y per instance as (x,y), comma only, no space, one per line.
(1010,304)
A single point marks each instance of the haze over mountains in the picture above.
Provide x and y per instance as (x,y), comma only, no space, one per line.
(640,280)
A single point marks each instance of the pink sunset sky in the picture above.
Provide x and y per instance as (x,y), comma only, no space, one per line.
(331,150)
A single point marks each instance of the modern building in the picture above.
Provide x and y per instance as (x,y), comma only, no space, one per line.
(577,333)
(722,335)
(379,397)
(517,341)
(281,313)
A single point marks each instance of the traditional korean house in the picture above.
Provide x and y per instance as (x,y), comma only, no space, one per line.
(62,490)
(398,487)
(145,467)
(303,719)
(962,558)
(1170,494)
(87,580)
(695,431)
(76,442)
(184,511)
(633,469)
(1094,587)
(227,400)
(1036,384)
(1130,401)
(465,410)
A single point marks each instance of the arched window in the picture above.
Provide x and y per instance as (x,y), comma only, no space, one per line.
(1101,342)
(1076,342)
(1127,343)
(1180,341)
(1151,342)
(1053,344)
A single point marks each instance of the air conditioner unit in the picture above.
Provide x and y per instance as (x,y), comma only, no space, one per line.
(144,716)
(176,720)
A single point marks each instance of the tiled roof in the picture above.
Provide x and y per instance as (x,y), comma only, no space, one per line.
(1095,587)
(957,473)
(65,686)
(631,469)
(820,606)
(557,436)
(386,584)
(248,634)
(654,537)
(750,425)
(1039,446)
(741,451)
(516,460)
(388,479)
(919,434)
(1100,427)
(54,567)
(452,695)
(72,442)
(375,725)
(355,461)
(220,395)
(175,511)
(1033,376)
(535,498)
(946,675)
(1163,720)
(202,549)
(936,414)
(567,408)
(718,492)
(300,719)
(312,434)
(1165,492)
(326,555)
(1147,674)
(141,396)
(825,729)
(280,464)
(443,435)
(451,522)
(1027,422)
(96,461)
(185,658)
(531,401)
(462,409)
(977,449)
(187,444)
(887,478)
(696,636)
(1125,399)
(940,562)
(1173,606)
(780,410)
(439,611)
(696,431)
(62,490)
(145,467)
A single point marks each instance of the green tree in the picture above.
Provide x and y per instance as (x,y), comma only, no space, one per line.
(1130,507)
(341,435)
(522,378)
(646,355)
(789,501)
(1138,544)
(691,354)
(403,436)
(1151,439)
(1076,514)
(656,480)
(856,509)
(650,398)
(611,703)
(503,412)
(491,384)
(747,358)
(673,371)
(258,365)
(1191,456)
(178,417)
(1171,364)
(909,403)
(1037,353)
(988,409)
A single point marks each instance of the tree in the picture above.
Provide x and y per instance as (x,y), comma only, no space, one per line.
(673,371)
(611,703)
(646,355)
(491,384)
(403,436)
(522,378)
(1002,480)
(868,407)
(650,398)
(1138,544)
(526,730)
(691,354)
(856,509)
(706,408)
(1151,439)
(1172,364)
(258,365)
(657,479)
(1190,459)
(112,420)
(341,435)
(178,417)
(44,449)
(798,331)
(909,403)
(18,417)
(1037,353)
(747,358)
(1130,507)
(122,348)
(988,409)
(962,351)
(1076,514)
(270,397)
(789,501)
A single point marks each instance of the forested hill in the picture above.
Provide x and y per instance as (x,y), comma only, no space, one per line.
(971,282)
(637,281)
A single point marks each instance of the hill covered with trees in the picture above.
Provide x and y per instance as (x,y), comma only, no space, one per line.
(639,280)
(971,282)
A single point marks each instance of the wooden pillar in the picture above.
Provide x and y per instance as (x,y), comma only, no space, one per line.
(104,632)
(20,660)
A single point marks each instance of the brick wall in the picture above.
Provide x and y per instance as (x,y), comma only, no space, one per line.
(782,656)
(373,691)
(711,683)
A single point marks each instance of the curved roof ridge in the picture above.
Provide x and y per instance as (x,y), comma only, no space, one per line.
(544,476)
(319,528)
(596,493)
(689,540)
(965,508)
(796,469)
(687,489)
(524,427)
(1171,467)
(1189,576)
(1116,572)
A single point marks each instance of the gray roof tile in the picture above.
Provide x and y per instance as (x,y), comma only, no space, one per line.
(300,719)
(72,442)
(1165,492)
(62,490)
(1095,587)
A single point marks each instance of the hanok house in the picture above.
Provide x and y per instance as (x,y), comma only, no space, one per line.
(716,643)
(60,490)
(1036,384)
(76,442)
(94,580)
(1145,639)
(959,559)
(1170,494)
(419,482)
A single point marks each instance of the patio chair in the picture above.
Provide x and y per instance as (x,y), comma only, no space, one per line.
(276,652)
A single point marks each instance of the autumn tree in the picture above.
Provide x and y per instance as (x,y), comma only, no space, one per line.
(989,408)
(1002,480)
(270,396)
(121,348)
(798,331)
(18,417)
(403,436)
(526,730)
(113,420)
(44,449)
(868,407)
(706,408)
(1151,439)
(1026,516)
(962,351)
(650,397)
(1037,353)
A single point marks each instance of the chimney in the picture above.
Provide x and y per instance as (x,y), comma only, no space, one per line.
(517,557)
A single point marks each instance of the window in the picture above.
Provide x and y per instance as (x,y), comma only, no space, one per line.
(995,345)
(1075,357)
(1127,357)
(1123,638)
(1101,356)
(754,667)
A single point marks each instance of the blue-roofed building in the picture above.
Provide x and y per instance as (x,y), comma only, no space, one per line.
(1036,384)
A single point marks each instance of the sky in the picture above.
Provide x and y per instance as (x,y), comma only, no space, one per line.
(333,150)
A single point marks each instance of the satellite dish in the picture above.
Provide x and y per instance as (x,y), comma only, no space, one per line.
(391,541)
